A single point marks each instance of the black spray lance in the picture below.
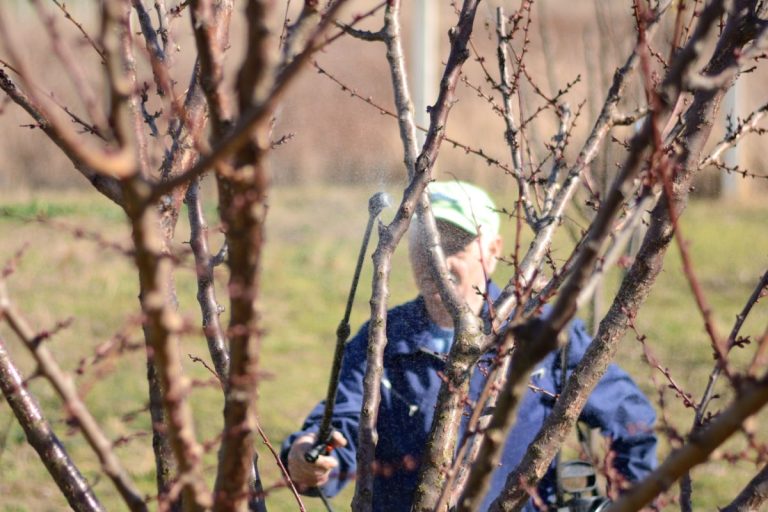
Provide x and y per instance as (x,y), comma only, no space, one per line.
(323,445)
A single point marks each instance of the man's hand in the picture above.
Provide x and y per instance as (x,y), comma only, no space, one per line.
(307,474)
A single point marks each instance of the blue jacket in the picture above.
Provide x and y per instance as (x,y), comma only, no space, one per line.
(409,393)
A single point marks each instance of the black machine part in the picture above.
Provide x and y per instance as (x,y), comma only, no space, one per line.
(577,479)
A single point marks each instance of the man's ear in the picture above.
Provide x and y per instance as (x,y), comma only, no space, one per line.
(493,251)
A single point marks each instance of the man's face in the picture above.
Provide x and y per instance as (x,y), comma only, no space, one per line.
(470,260)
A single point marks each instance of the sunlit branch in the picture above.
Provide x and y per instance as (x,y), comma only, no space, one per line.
(389,236)
(443,434)
(164,28)
(115,36)
(297,33)
(558,164)
(511,133)
(210,36)
(162,329)
(206,292)
(136,104)
(751,124)
(39,434)
(65,388)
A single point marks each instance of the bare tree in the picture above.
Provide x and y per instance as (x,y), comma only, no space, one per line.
(222,125)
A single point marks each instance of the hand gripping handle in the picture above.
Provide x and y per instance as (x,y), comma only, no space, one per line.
(320,448)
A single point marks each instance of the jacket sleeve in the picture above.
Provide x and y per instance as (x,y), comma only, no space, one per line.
(621,411)
(346,414)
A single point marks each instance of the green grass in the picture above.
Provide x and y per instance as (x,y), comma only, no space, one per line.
(312,240)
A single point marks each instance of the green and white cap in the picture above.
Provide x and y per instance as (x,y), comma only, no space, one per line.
(464,205)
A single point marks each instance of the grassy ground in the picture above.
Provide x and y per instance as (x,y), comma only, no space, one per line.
(313,237)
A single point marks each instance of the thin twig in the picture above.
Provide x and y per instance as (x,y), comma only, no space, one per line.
(511,134)
(79,26)
(757,293)
(286,476)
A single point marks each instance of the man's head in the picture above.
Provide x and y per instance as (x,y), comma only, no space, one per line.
(469,236)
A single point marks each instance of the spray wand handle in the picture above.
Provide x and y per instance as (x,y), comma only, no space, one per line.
(323,445)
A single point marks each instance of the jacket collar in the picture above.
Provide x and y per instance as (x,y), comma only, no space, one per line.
(408,329)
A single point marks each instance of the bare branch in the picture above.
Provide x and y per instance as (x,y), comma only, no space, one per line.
(530,263)
(296,35)
(79,26)
(162,330)
(242,196)
(384,111)
(685,397)
(107,185)
(148,31)
(210,24)
(240,134)
(123,112)
(753,496)
(752,26)
(254,74)
(745,127)
(52,453)
(761,355)
(636,284)
(137,140)
(363,35)
(74,71)
(164,28)
(444,431)
(553,182)
(157,54)
(283,471)
(221,257)
(66,390)
(758,292)
(750,399)
(206,292)
(511,134)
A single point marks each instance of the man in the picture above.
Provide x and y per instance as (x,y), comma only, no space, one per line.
(419,336)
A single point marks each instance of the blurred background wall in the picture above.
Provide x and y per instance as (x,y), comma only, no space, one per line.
(338,138)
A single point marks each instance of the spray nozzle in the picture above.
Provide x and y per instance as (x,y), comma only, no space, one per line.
(377,203)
